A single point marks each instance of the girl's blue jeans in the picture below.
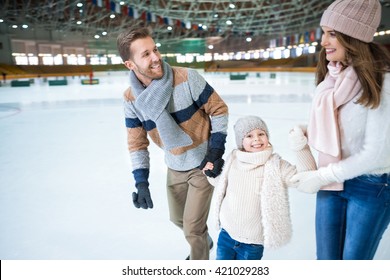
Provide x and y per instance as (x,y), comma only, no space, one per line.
(351,223)
(230,249)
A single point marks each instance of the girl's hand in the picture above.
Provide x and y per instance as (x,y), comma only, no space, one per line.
(208,166)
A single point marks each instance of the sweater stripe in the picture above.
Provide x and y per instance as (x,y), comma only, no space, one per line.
(133,122)
(205,95)
(183,115)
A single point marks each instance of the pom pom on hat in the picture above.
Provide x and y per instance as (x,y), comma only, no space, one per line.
(358,19)
(245,125)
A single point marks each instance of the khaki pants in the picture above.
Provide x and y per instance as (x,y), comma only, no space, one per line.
(189,198)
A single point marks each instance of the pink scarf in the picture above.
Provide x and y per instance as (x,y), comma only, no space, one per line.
(338,88)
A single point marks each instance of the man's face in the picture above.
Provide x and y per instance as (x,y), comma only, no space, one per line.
(145,61)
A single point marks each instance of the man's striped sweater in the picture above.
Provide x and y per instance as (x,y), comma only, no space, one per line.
(197,109)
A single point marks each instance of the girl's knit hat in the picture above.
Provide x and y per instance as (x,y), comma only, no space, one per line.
(245,125)
(358,19)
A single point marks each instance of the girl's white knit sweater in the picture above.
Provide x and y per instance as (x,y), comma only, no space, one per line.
(252,202)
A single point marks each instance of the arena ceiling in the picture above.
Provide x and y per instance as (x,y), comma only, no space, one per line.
(98,22)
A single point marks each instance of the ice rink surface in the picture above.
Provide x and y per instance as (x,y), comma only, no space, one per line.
(66,181)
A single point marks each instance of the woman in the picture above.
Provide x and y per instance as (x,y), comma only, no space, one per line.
(349,128)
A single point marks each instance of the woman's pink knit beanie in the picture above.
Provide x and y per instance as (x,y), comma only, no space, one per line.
(356,18)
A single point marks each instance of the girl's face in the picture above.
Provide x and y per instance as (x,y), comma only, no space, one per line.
(333,48)
(255,141)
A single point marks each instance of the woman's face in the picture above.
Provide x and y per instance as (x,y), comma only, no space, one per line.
(333,48)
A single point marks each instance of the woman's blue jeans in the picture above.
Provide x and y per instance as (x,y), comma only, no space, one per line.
(351,223)
(229,249)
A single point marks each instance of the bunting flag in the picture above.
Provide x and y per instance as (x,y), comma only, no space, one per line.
(107,4)
(292,40)
(318,33)
(100,3)
(312,36)
(112,6)
(125,10)
(288,41)
(135,14)
(150,17)
(160,20)
(306,37)
(301,38)
(272,43)
(143,16)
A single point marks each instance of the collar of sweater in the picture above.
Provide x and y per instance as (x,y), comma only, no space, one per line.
(249,161)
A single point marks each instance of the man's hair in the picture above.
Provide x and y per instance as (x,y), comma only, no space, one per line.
(127,37)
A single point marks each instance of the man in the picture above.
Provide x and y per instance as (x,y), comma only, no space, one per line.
(185,117)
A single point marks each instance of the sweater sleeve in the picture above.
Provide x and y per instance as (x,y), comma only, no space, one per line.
(137,144)
(304,162)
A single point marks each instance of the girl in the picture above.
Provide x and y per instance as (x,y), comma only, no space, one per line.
(252,204)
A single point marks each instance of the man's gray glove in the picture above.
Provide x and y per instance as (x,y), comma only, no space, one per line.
(142,198)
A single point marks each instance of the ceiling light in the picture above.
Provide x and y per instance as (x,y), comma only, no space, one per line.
(229,22)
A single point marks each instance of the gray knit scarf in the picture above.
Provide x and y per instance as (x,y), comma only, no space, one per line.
(153,102)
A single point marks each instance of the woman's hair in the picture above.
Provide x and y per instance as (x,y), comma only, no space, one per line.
(370,61)
(127,37)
